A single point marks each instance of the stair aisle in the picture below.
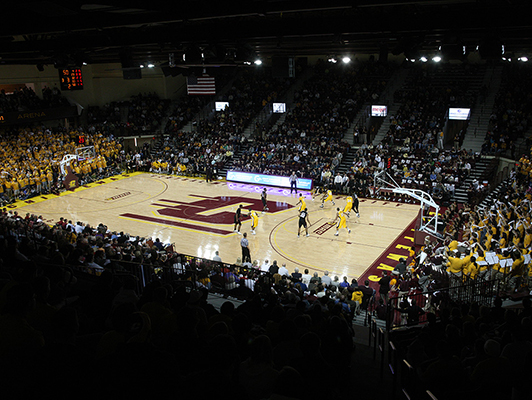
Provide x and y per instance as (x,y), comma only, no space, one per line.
(478,172)
(222,173)
(360,121)
(494,194)
(347,161)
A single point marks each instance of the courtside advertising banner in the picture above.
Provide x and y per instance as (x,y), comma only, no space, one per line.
(269,180)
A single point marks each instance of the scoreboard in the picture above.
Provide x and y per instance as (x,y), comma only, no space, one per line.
(71,79)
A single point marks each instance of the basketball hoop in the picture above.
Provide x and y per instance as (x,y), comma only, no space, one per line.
(86,153)
(382,180)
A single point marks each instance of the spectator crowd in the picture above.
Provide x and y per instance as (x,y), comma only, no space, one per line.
(30,160)
(512,112)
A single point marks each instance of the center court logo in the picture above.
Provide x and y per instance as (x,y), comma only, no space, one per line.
(208,214)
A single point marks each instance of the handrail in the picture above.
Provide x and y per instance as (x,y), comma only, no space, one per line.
(406,377)
(455,290)
(380,337)
(432,397)
(392,365)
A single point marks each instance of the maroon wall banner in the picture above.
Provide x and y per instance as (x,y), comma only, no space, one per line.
(23,117)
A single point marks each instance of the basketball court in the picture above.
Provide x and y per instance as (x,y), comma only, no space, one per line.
(198,218)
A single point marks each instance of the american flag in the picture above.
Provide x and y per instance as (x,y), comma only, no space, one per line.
(201,85)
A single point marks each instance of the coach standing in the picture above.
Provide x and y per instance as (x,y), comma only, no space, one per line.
(246,256)
(293,182)
(384,286)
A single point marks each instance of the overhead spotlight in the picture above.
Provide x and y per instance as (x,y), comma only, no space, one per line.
(436,58)
(84,63)
(247,63)
(258,62)
(504,58)
(151,65)
(523,59)
(346,60)
(141,65)
(332,60)
(423,59)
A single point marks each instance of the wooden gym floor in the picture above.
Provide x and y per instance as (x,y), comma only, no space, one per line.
(198,217)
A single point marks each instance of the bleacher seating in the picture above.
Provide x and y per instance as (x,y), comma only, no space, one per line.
(25,99)
(140,114)
(311,137)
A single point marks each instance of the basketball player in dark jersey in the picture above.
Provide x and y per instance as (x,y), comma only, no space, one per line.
(355,204)
(264,201)
(303,220)
(238,219)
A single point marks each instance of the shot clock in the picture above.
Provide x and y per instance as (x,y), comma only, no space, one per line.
(71,79)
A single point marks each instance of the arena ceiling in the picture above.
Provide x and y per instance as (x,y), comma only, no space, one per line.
(229,32)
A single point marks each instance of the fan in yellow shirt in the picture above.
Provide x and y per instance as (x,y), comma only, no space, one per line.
(453,245)
(455,264)
(16,188)
(472,270)
(357,297)
(501,272)
(518,270)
